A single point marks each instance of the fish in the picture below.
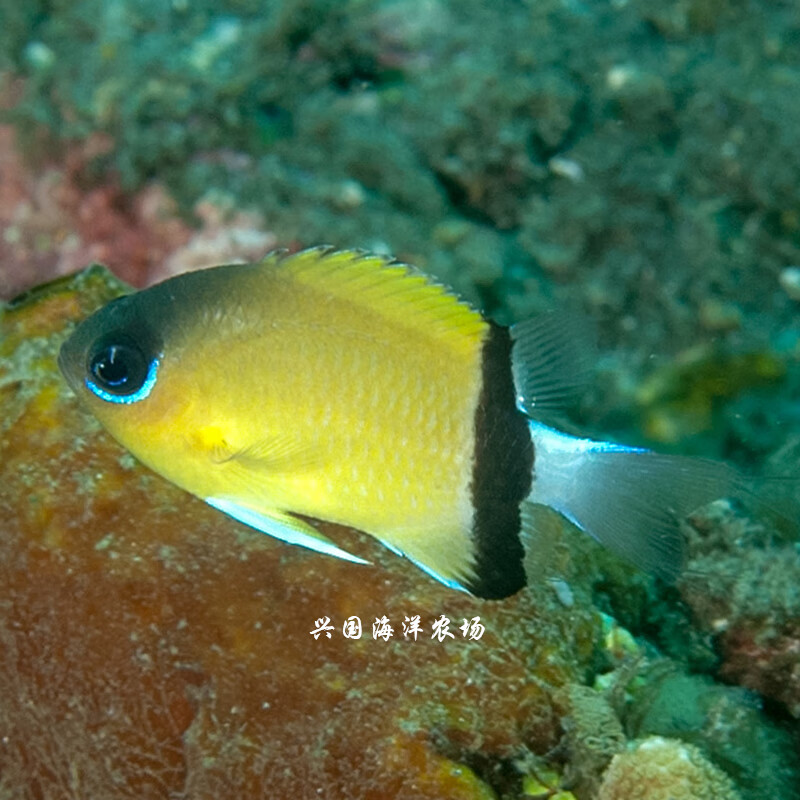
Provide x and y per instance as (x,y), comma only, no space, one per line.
(344,386)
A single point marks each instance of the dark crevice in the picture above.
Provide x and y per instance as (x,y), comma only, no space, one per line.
(457,196)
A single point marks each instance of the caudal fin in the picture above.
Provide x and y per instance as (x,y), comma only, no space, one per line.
(629,499)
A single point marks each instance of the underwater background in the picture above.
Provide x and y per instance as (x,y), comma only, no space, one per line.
(637,161)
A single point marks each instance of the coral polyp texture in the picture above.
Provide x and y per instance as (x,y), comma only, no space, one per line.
(151,647)
(664,769)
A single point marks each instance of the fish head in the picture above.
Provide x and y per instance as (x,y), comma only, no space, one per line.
(123,363)
(154,367)
(111,360)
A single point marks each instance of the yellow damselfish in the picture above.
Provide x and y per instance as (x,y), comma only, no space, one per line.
(343,386)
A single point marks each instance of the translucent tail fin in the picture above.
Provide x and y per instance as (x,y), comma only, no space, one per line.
(629,499)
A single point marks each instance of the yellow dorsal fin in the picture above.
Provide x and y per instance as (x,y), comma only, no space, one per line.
(398,291)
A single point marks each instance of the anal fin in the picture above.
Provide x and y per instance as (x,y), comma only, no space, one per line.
(450,582)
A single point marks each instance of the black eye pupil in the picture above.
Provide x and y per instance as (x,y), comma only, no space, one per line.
(119,368)
(111,366)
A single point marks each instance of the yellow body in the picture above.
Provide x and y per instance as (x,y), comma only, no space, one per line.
(330,385)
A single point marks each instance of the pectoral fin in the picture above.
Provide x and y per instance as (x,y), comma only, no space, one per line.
(275,453)
(283,526)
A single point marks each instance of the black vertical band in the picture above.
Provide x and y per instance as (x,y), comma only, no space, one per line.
(501,477)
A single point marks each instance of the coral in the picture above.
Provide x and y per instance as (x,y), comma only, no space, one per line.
(664,769)
(53,223)
(592,736)
(681,398)
(225,236)
(726,722)
(151,647)
(765,658)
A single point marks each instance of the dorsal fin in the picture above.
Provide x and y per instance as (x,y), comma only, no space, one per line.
(397,291)
(552,361)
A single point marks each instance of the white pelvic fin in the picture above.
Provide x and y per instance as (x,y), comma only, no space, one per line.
(629,499)
(551,361)
(284,527)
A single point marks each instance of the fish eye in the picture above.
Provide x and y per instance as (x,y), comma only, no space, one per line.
(120,372)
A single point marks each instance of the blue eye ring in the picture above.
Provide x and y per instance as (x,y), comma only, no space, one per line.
(119,372)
